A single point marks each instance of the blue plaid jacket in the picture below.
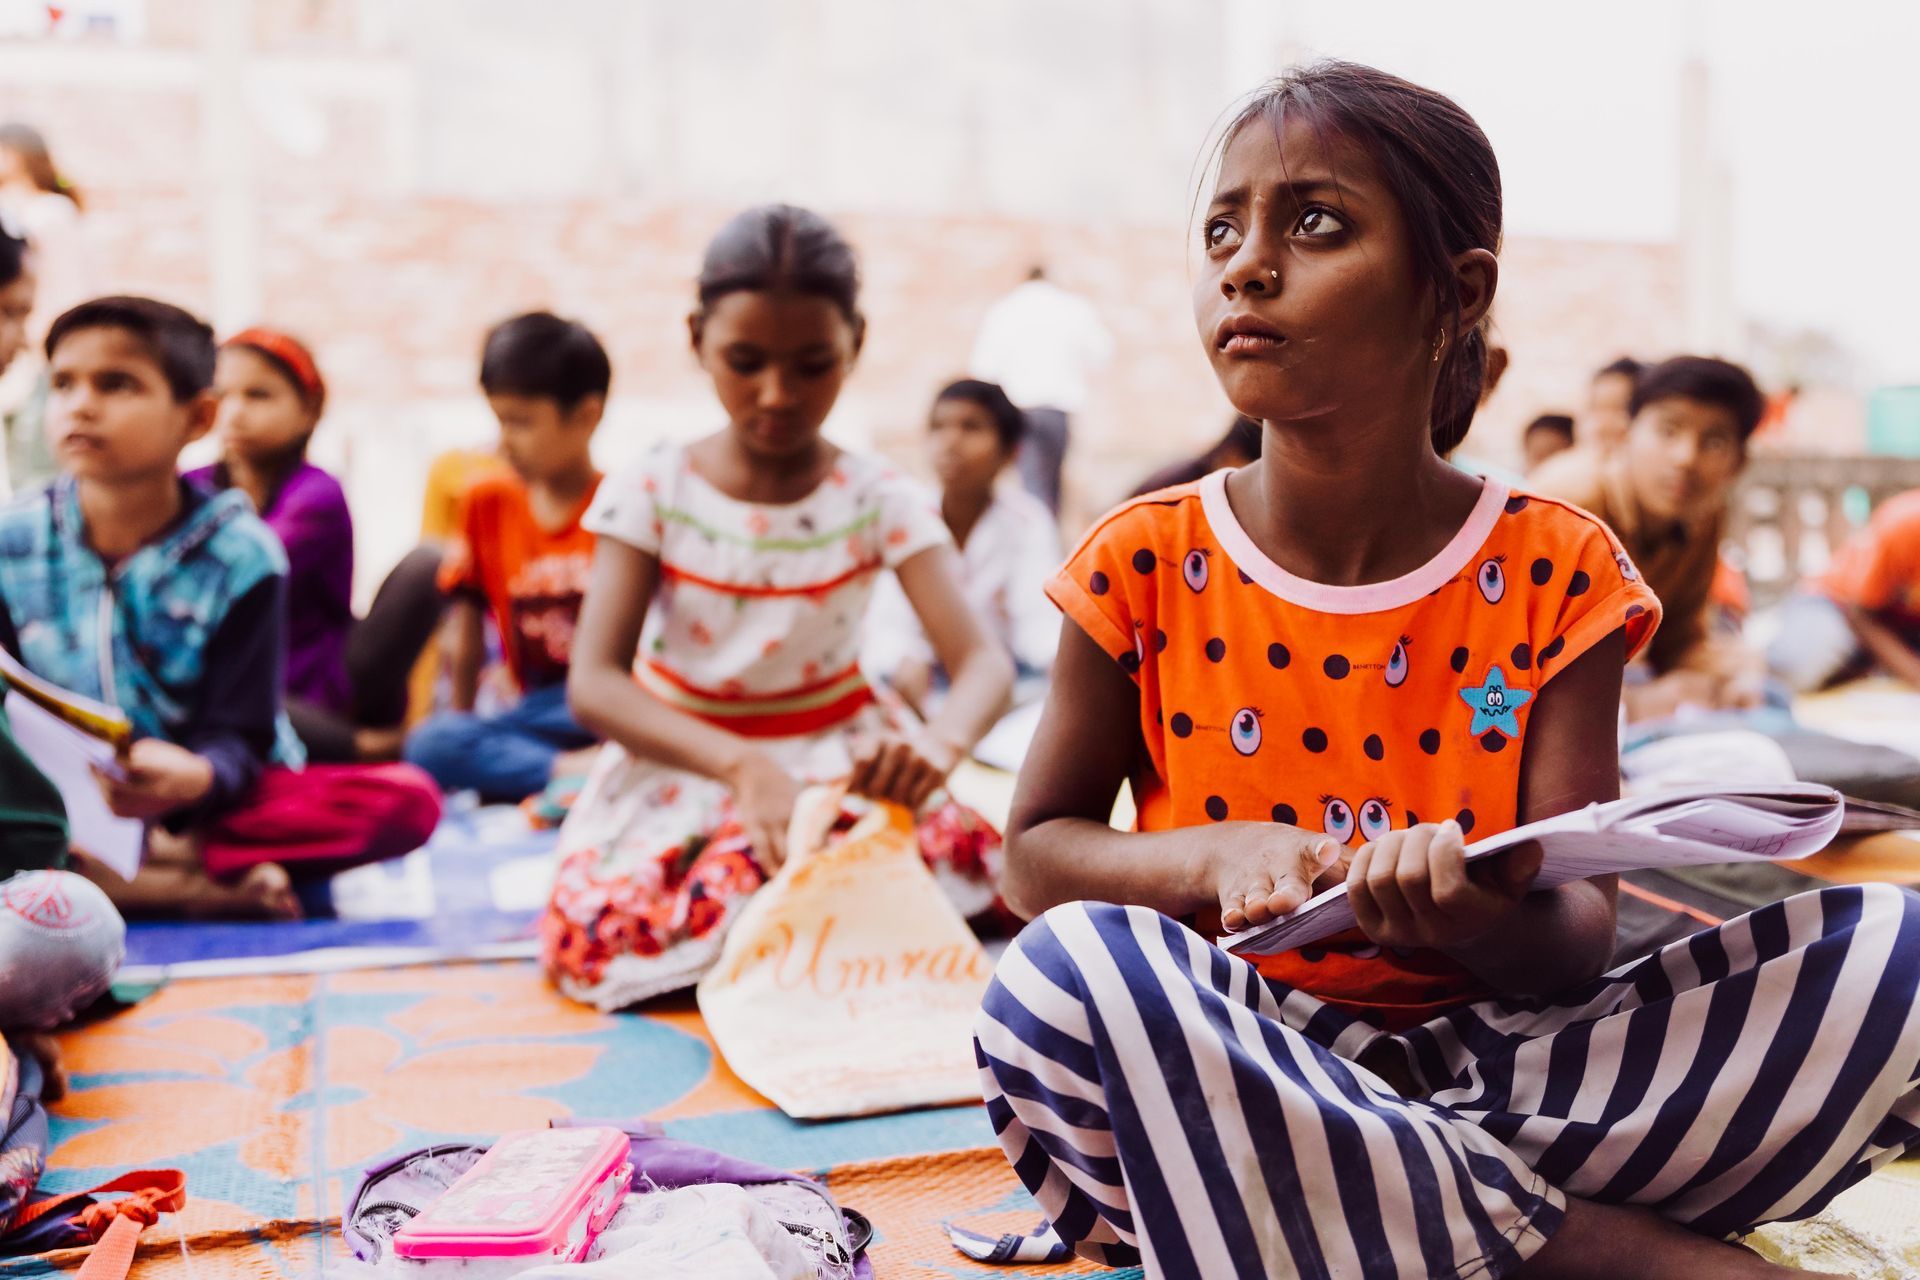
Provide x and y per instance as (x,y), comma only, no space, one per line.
(135,636)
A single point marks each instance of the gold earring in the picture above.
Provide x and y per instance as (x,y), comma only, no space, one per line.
(1438,343)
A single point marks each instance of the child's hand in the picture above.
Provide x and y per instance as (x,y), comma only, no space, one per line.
(1412,888)
(1262,871)
(763,799)
(903,770)
(160,779)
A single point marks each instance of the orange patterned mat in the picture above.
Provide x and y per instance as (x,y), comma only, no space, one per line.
(274,1092)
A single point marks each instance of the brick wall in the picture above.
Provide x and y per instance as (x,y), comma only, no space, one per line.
(377,222)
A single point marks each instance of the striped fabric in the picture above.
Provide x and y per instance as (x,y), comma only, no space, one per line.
(803,709)
(1166,1105)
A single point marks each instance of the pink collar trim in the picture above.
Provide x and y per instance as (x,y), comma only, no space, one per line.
(1372,597)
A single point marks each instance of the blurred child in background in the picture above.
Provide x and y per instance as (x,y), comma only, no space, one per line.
(1547,436)
(521,554)
(1863,613)
(1009,547)
(346,679)
(1664,491)
(122,582)
(1599,429)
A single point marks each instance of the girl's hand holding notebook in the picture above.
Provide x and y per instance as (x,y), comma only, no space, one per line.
(1691,827)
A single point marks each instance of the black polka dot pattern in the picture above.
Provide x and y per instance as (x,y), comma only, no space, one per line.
(1143,561)
(1523,656)
(1554,649)
(1542,572)
(1284,814)
(1459,660)
(1277,657)
(1216,649)
(1336,667)
(1314,740)
(1245,581)
(1181,724)
(1413,819)
(1430,741)
(1216,808)
(1130,662)
(1098,583)
(1579,584)
(1494,741)
(1465,819)
(1516,504)
(1375,749)
(1159,641)
(1635,610)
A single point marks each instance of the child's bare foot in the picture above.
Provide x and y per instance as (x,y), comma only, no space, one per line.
(1606,1242)
(169,887)
(270,888)
(379,745)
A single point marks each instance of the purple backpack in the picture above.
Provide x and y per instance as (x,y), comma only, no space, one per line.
(392,1193)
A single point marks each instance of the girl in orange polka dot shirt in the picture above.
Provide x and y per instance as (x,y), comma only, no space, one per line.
(1340,664)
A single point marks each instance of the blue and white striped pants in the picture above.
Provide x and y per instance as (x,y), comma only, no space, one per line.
(1167,1105)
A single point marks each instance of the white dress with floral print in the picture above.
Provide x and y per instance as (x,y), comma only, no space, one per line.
(756,626)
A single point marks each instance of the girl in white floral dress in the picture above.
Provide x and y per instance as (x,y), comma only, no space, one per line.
(718,648)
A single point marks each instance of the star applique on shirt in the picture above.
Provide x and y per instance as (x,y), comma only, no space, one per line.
(1494,704)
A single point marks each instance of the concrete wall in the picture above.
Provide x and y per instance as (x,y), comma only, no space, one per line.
(388,179)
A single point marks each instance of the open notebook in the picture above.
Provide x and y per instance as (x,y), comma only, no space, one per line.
(1690,827)
(69,736)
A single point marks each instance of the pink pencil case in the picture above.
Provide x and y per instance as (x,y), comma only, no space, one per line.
(538,1193)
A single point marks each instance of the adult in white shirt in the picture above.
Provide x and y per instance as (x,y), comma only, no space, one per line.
(1041,344)
(1009,547)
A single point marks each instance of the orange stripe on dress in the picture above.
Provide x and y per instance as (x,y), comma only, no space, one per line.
(793,724)
(736,712)
(676,574)
(780,724)
(733,695)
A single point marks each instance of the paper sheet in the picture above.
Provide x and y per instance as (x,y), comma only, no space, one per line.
(1694,827)
(66,756)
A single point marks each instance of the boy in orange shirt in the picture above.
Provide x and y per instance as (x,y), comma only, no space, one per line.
(1863,612)
(520,554)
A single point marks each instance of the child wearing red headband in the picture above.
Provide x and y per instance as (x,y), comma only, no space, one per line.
(346,680)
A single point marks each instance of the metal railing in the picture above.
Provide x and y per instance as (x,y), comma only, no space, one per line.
(1792,510)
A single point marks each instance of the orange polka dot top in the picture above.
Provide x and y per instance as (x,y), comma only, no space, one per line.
(1351,710)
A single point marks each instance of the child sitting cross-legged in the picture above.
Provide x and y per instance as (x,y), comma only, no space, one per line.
(121,581)
(346,676)
(1863,613)
(1009,544)
(719,645)
(521,554)
(1333,667)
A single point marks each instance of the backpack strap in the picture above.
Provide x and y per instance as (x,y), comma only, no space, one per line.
(115,1225)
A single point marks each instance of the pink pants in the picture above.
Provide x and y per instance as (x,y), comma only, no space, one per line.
(325,818)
